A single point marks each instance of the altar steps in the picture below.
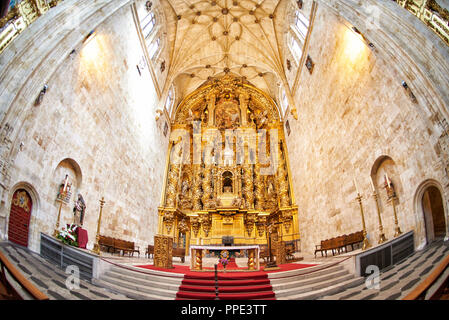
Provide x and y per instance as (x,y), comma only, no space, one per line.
(320,281)
(143,285)
(231,286)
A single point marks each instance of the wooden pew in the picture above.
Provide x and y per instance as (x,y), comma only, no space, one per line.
(180,253)
(107,242)
(339,244)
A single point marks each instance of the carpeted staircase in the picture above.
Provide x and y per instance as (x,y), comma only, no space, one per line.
(231,286)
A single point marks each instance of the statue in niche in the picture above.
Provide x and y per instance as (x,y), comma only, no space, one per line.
(237,202)
(184,197)
(78,211)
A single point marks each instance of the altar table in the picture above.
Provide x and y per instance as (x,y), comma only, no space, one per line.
(196,254)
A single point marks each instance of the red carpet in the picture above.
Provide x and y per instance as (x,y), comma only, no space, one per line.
(231,285)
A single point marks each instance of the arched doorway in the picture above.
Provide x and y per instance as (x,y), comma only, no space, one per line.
(19,218)
(434,216)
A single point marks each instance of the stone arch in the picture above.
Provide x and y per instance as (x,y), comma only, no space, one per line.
(424,217)
(36,204)
(72,169)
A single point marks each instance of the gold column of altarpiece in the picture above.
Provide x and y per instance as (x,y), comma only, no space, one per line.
(227,171)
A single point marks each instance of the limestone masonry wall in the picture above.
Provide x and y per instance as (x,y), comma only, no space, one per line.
(353,114)
(97,124)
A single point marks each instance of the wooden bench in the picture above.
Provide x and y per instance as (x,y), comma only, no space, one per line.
(179,253)
(107,242)
(149,251)
(339,244)
(114,245)
(126,247)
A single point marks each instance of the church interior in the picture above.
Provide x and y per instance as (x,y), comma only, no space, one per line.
(224,150)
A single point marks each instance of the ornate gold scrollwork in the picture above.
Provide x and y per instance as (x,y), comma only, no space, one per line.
(206,223)
(195,224)
(250,220)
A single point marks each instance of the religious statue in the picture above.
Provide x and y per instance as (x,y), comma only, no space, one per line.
(79,210)
(237,202)
(262,119)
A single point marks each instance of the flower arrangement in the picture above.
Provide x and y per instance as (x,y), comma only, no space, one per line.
(224,258)
(68,236)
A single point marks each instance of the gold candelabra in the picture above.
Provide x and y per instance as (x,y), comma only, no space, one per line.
(97,238)
(391,194)
(62,195)
(382,237)
(366,243)
(397,229)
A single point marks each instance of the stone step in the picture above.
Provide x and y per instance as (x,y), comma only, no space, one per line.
(156,282)
(310,280)
(130,293)
(144,274)
(315,292)
(304,286)
(309,270)
(155,289)
(296,277)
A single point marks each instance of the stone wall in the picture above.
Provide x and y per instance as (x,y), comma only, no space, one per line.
(95,123)
(357,121)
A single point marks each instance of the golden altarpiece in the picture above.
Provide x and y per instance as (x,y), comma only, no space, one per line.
(227,171)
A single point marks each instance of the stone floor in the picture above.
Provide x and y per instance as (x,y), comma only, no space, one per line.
(395,283)
(400,279)
(50,279)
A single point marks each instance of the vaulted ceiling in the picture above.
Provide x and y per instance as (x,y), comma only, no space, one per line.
(210,38)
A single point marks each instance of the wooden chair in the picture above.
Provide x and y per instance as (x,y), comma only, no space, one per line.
(149,251)
(180,253)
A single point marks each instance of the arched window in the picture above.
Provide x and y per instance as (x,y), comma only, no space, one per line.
(153,48)
(284,102)
(170,100)
(297,35)
(301,24)
(148,23)
(295,48)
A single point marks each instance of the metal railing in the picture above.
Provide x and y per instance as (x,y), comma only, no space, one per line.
(7,291)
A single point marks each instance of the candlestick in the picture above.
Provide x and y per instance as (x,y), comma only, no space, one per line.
(397,229)
(356,186)
(366,243)
(65,182)
(372,184)
(97,238)
(388,180)
(382,237)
